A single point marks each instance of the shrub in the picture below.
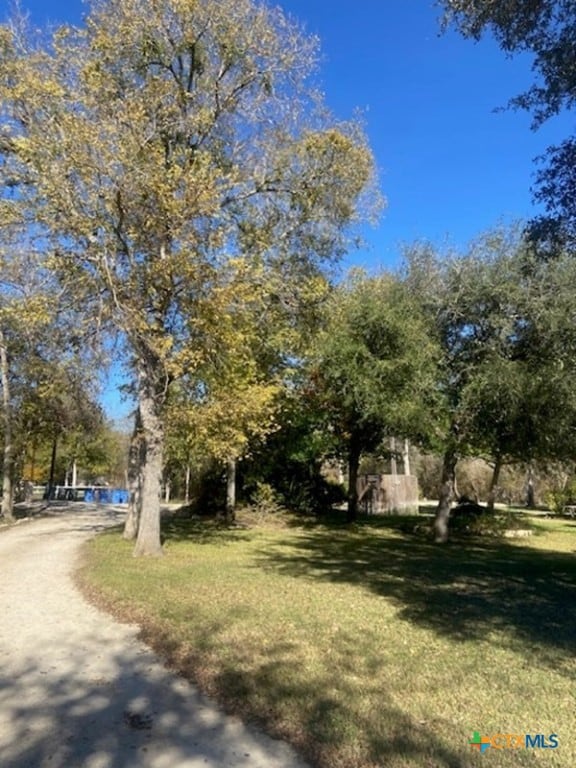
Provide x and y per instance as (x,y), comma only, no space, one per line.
(481,522)
(265,500)
(559,498)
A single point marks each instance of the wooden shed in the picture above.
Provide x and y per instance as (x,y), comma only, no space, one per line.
(388,494)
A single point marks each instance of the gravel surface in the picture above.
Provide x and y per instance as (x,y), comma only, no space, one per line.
(79,690)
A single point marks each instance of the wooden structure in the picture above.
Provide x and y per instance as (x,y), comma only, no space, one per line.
(388,494)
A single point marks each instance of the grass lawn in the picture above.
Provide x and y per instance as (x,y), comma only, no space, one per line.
(364,646)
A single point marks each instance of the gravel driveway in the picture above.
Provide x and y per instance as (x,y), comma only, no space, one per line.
(78,690)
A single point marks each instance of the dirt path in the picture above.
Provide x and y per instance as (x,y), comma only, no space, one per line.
(78,690)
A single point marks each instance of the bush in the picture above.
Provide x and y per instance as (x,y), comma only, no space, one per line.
(474,520)
(265,500)
(558,499)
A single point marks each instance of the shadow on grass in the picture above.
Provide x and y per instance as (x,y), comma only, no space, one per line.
(204,530)
(269,688)
(463,591)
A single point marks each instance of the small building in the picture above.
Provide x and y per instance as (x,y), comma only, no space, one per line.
(388,494)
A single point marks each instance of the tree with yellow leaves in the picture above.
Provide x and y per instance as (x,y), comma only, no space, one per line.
(162,146)
(44,352)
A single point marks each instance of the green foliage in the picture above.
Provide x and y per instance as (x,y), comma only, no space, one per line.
(373,365)
(502,319)
(373,369)
(265,501)
(47,359)
(558,499)
(176,156)
(545,28)
(291,459)
(487,523)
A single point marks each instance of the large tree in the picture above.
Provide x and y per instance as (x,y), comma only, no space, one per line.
(164,147)
(505,324)
(546,29)
(373,369)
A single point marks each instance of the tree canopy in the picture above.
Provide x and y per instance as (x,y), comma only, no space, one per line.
(168,151)
(373,368)
(504,320)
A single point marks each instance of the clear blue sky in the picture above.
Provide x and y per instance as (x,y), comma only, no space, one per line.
(450,166)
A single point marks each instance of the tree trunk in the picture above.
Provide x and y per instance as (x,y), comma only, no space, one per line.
(52,468)
(148,541)
(530,495)
(447,493)
(393,457)
(494,483)
(74,473)
(406,457)
(354,453)
(167,491)
(132,518)
(8,465)
(33,463)
(187,485)
(136,457)
(230,490)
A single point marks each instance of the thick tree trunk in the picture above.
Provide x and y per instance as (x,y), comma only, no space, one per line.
(8,464)
(132,517)
(136,458)
(230,490)
(354,453)
(494,483)
(148,541)
(447,493)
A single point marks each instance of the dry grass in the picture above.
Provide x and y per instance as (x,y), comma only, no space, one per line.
(364,647)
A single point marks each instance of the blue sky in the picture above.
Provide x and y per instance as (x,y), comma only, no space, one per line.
(450,166)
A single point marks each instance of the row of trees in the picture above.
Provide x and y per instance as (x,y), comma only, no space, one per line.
(469,354)
(466,354)
(174,187)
